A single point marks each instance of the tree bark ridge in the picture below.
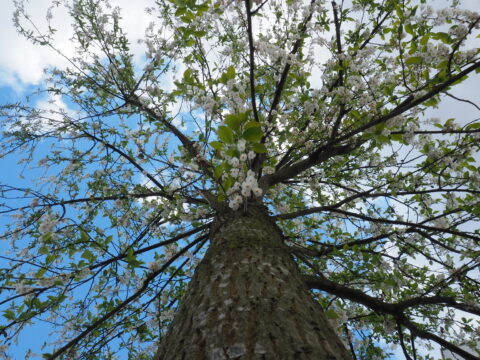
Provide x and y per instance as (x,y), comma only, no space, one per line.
(247,300)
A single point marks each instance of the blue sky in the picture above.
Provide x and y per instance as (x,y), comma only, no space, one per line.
(21,72)
(22,64)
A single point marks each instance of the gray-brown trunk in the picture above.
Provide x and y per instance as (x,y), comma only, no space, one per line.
(247,301)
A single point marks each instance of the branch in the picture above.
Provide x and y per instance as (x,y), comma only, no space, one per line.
(286,69)
(402,342)
(416,330)
(114,197)
(335,84)
(406,223)
(396,310)
(151,247)
(313,159)
(322,283)
(364,195)
(439,132)
(352,349)
(379,220)
(253,12)
(463,100)
(340,71)
(329,248)
(331,148)
(409,103)
(252,60)
(149,278)
(281,83)
(126,156)
(437,300)
(186,142)
(460,41)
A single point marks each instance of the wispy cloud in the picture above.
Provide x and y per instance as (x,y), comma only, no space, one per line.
(22,63)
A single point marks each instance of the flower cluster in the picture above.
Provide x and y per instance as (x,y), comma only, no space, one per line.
(275,52)
(47,224)
(247,188)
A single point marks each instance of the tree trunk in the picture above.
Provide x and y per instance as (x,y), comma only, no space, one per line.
(247,301)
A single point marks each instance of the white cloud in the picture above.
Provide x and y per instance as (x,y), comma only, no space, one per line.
(22,62)
(55,110)
(134,22)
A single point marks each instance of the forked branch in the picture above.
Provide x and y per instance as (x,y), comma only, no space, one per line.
(397,310)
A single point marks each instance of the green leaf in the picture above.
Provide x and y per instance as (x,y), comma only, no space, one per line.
(130,255)
(409,29)
(253,134)
(9,314)
(413,48)
(459,81)
(413,60)
(217,145)
(331,314)
(442,64)
(219,170)
(49,259)
(424,39)
(83,236)
(396,137)
(188,17)
(202,7)
(251,124)
(40,272)
(228,183)
(180,11)
(356,115)
(399,11)
(259,148)
(233,121)
(233,152)
(230,72)
(225,134)
(433,101)
(473,126)
(87,255)
(228,75)
(382,139)
(443,37)
(188,77)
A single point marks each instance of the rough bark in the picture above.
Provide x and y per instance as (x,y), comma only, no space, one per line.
(247,300)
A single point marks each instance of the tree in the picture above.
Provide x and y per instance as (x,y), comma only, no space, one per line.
(292,158)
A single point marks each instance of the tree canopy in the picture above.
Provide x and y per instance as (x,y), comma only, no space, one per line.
(316,109)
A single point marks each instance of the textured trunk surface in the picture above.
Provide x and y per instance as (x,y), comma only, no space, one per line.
(247,301)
